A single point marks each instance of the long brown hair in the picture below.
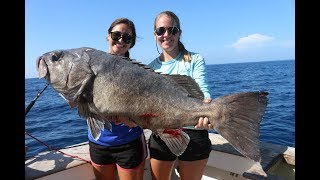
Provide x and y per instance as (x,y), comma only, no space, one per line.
(176,21)
(130,24)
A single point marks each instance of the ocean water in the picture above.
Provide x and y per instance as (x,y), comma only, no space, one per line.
(52,122)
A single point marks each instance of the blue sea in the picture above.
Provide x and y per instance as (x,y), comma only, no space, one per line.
(52,122)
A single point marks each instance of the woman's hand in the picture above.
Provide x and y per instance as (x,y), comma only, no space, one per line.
(207,100)
(204,122)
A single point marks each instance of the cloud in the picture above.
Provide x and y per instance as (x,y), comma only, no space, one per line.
(252,41)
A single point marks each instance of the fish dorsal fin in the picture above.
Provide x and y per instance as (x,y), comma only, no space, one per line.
(189,84)
(138,63)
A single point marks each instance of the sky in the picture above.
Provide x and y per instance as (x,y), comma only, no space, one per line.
(222,31)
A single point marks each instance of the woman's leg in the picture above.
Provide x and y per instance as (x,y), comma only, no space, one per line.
(131,161)
(131,174)
(192,170)
(105,172)
(161,170)
(161,159)
(193,161)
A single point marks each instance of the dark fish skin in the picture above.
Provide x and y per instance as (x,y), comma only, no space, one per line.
(101,84)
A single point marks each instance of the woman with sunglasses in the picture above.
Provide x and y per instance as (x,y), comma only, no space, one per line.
(175,59)
(124,149)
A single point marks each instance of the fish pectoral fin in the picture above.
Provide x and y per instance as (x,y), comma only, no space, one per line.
(95,125)
(72,104)
(177,142)
(108,125)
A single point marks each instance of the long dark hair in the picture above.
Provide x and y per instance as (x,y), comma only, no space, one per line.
(176,21)
(130,24)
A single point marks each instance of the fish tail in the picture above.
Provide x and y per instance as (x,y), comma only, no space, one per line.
(239,122)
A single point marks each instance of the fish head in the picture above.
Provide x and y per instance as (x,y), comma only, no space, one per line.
(66,71)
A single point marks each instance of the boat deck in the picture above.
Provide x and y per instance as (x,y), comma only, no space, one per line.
(224,159)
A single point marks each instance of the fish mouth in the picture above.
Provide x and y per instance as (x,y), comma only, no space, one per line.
(42,67)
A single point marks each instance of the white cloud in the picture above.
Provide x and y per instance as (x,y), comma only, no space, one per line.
(252,41)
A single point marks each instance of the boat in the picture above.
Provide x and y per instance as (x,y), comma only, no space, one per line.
(225,163)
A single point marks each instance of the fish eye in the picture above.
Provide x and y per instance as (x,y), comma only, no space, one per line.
(56,55)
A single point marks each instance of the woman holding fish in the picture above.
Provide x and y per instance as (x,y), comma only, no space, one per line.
(123,149)
(175,59)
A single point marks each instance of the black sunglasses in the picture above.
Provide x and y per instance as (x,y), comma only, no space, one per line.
(161,30)
(126,38)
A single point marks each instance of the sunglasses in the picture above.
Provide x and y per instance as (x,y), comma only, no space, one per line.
(171,30)
(126,38)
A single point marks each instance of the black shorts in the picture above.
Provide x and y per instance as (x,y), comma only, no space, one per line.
(198,148)
(127,156)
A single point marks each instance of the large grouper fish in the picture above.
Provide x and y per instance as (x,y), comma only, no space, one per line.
(101,85)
